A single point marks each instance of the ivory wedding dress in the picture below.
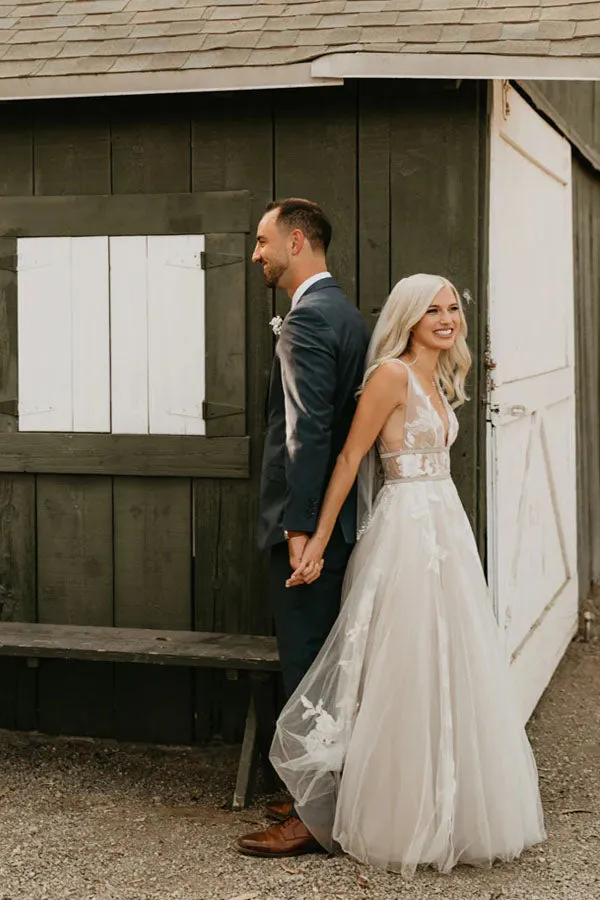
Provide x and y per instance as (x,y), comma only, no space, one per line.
(403,744)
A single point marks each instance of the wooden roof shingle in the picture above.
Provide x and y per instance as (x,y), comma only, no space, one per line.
(72,38)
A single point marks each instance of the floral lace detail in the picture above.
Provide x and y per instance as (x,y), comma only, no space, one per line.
(327,740)
(407,465)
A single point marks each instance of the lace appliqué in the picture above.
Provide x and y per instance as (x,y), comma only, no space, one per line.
(327,741)
(408,465)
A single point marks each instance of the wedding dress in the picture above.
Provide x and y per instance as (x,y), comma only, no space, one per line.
(403,744)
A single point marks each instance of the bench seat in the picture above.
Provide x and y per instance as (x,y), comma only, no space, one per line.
(256,654)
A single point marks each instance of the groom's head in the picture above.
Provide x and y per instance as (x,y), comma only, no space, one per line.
(291,242)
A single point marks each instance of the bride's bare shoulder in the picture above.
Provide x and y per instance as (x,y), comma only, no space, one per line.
(389,377)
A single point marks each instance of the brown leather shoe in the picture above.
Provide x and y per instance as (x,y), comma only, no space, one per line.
(289,838)
(279,810)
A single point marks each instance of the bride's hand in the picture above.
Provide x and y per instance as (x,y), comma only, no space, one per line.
(310,566)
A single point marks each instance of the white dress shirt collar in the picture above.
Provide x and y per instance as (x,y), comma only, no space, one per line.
(300,291)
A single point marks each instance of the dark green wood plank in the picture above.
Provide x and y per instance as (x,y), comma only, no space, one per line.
(72,157)
(225,316)
(165,647)
(130,214)
(375,98)
(124,454)
(71,147)
(9,389)
(586,235)
(153,541)
(75,557)
(17,549)
(435,224)
(232,149)
(75,585)
(315,157)
(16,170)
(153,553)
(18,703)
(151,149)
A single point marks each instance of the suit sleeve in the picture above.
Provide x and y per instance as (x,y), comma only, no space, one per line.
(308,355)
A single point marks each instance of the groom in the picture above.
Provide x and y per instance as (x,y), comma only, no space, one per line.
(318,367)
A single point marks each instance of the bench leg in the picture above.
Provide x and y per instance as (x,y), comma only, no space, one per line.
(247,765)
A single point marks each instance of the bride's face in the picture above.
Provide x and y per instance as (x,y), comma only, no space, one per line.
(440,326)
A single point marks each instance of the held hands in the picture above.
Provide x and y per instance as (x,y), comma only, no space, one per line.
(308,563)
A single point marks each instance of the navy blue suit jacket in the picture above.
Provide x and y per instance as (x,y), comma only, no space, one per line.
(317,369)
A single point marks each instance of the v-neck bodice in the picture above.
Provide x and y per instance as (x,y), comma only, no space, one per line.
(420,448)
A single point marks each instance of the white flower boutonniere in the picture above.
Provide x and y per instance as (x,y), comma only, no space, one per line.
(276,324)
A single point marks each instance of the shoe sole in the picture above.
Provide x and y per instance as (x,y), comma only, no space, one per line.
(265,855)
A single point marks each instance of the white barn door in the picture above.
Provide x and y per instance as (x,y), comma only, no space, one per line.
(531,403)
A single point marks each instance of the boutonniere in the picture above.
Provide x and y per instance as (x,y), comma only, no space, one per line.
(276,324)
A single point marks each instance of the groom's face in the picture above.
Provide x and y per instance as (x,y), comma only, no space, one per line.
(272,249)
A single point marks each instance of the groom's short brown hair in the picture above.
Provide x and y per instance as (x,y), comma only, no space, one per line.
(308,217)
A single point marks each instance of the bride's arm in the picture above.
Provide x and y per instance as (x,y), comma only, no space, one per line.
(384,392)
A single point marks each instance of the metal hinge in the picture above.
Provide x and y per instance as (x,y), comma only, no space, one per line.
(505,104)
(215,260)
(220,410)
(516,410)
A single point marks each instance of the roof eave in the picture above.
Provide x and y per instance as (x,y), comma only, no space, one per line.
(239,78)
(454,65)
(329,69)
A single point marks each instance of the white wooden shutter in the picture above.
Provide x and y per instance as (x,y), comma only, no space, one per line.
(129,334)
(63,334)
(176,379)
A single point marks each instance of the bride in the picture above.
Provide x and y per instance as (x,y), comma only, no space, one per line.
(403,744)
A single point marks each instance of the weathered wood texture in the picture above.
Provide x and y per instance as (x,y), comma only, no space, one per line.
(125,454)
(397,167)
(315,157)
(71,156)
(78,216)
(140,645)
(586,231)
(436,210)
(18,697)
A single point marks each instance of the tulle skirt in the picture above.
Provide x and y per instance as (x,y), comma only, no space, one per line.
(404,744)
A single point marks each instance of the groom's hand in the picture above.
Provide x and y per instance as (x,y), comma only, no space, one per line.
(297,541)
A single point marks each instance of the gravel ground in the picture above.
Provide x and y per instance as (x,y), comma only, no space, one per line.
(97,820)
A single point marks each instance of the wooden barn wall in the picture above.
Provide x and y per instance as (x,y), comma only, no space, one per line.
(586,227)
(398,166)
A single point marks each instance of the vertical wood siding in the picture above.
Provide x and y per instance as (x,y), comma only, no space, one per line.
(586,231)
(397,167)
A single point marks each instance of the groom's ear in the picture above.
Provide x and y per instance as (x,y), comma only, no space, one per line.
(298,239)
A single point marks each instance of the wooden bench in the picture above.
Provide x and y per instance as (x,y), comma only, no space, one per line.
(233,652)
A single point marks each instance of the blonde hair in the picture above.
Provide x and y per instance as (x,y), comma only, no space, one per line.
(405,307)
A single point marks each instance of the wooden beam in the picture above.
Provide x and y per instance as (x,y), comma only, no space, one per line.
(125,454)
(125,214)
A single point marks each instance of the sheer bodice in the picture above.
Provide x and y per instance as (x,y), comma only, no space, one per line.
(414,444)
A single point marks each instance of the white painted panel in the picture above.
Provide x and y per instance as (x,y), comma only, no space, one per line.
(44,334)
(548,641)
(531,410)
(129,335)
(529,229)
(176,334)
(90,334)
